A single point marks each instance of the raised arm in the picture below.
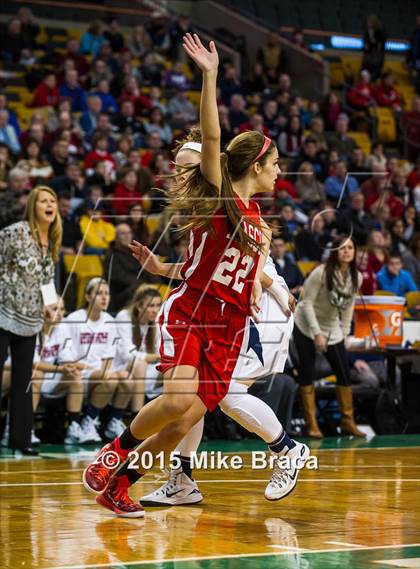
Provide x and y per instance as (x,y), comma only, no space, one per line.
(208,61)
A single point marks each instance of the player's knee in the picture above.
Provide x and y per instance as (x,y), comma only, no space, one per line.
(180,428)
(74,376)
(126,385)
(122,375)
(175,407)
(139,369)
(110,383)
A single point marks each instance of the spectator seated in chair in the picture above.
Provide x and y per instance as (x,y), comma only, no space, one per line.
(394,278)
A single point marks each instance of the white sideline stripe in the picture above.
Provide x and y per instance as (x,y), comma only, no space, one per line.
(42,471)
(322,467)
(230,556)
(407,562)
(355,545)
(240,452)
(230,481)
(290,548)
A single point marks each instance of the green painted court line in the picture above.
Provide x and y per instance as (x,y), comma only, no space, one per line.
(322,559)
(247,445)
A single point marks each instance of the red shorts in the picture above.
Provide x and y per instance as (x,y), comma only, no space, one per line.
(205,334)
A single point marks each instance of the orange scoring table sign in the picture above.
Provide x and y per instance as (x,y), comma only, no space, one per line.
(381,316)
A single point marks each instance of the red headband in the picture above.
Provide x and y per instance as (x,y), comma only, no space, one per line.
(267,142)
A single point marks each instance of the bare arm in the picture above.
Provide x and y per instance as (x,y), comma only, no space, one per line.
(266,241)
(152,264)
(207,61)
(257,288)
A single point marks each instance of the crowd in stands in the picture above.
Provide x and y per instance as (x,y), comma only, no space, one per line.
(108,109)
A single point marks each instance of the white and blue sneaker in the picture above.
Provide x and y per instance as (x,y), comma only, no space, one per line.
(90,430)
(283,480)
(114,429)
(179,490)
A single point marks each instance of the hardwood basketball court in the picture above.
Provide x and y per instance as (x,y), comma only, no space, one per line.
(361,509)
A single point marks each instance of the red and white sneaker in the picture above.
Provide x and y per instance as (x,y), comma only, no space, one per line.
(116,499)
(97,475)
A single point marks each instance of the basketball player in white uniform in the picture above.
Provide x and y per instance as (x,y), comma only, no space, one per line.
(264,352)
(94,338)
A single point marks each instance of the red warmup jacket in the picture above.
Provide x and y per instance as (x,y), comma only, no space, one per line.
(371,193)
(387,96)
(45,97)
(123,198)
(94,156)
(245,126)
(369,284)
(413,179)
(360,95)
(141,102)
(374,264)
(285,185)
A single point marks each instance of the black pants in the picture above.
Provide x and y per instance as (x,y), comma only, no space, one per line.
(335,354)
(278,391)
(22,350)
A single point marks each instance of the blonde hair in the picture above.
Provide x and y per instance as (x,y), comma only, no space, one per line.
(194,135)
(95,282)
(195,195)
(55,230)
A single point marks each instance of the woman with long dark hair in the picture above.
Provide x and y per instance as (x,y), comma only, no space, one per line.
(322,322)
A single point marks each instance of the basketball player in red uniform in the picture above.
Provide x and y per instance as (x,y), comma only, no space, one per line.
(203,320)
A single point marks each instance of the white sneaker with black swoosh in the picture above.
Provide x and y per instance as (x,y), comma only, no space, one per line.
(179,490)
(283,480)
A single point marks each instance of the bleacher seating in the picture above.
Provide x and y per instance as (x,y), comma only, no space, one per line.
(84,268)
(331,15)
(362,140)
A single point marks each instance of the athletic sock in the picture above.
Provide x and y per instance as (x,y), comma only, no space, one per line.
(73,417)
(186,466)
(92,411)
(282,444)
(116,413)
(128,476)
(127,441)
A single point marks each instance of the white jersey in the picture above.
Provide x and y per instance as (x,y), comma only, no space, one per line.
(52,345)
(265,345)
(126,350)
(91,341)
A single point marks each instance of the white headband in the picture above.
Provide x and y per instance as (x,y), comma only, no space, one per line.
(191,146)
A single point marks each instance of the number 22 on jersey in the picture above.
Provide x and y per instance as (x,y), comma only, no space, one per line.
(227,271)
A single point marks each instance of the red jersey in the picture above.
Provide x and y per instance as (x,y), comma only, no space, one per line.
(215,264)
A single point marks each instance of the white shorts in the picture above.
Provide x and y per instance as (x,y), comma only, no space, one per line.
(151,389)
(50,383)
(52,380)
(265,346)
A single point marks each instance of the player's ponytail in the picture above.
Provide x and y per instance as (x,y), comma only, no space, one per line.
(235,215)
(241,153)
(192,194)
